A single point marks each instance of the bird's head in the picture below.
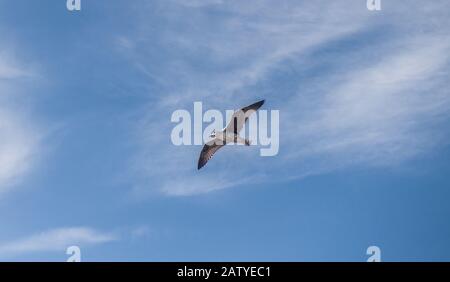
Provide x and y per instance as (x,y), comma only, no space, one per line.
(213,134)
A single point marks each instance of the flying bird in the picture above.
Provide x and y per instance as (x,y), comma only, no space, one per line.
(230,134)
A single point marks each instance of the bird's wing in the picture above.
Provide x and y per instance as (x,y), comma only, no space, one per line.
(240,117)
(208,151)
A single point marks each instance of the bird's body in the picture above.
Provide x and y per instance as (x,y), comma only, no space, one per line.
(229,134)
(225,137)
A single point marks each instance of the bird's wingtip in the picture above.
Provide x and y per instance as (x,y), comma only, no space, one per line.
(262,102)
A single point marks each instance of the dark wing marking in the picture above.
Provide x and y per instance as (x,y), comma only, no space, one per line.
(208,151)
(240,117)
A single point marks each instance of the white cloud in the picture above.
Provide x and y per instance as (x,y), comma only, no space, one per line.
(240,47)
(378,113)
(9,68)
(56,240)
(19,134)
(18,146)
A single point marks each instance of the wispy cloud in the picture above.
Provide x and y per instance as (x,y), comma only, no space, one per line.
(380,113)
(56,240)
(19,134)
(9,68)
(18,147)
(344,97)
(383,114)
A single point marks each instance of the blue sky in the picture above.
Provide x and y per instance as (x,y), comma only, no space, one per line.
(86,159)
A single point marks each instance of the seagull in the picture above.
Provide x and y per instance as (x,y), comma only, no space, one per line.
(230,134)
